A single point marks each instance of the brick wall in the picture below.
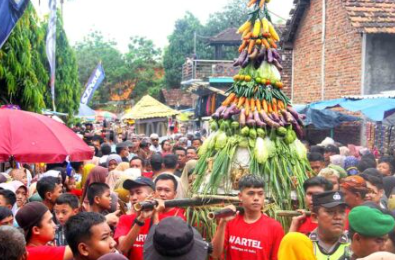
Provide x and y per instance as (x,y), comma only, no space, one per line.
(286,74)
(342,54)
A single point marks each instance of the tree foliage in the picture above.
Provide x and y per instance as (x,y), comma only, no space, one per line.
(138,66)
(181,41)
(23,74)
(24,69)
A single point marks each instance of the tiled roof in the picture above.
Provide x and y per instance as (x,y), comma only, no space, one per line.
(228,36)
(371,16)
(177,97)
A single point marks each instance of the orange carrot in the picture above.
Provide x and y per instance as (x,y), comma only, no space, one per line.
(272,43)
(252,103)
(247,107)
(251,3)
(261,3)
(266,43)
(229,99)
(243,46)
(236,100)
(241,101)
(251,46)
(274,105)
(269,108)
(248,36)
(264,105)
(280,104)
(258,105)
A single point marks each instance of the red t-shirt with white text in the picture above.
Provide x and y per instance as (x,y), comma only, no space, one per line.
(125,225)
(45,252)
(256,241)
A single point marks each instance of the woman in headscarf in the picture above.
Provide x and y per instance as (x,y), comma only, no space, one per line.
(112,161)
(350,165)
(85,173)
(21,193)
(296,246)
(113,176)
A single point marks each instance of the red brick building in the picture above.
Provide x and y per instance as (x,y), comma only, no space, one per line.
(340,48)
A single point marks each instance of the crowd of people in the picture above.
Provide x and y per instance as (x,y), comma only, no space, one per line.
(86,210)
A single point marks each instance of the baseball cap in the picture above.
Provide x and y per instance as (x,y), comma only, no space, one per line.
(140,181)
(329,199)
(174,239)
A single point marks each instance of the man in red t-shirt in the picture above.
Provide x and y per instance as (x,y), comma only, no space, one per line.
(251,235)
(37,222)
(313,186)
(132,230)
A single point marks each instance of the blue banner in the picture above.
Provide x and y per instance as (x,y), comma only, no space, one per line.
(51,47)
(93,83)
(10,12)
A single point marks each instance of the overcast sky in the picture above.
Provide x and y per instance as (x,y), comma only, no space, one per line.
(154,19)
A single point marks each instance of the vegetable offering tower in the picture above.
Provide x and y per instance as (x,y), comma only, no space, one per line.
(256,130)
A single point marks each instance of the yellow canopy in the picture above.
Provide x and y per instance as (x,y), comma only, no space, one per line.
(149,107)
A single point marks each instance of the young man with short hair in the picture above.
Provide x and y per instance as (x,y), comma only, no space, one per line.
(305,224)
(133,229)
(13,244)
(99,197)
(66,206)
(317,162)
(354,189)
(6,217)
(329,151)
(89,236)
(137,163)
(251,235)
(329,239)
(375,187)
(7,198)
(49,189)
(369,229)
(191,153)
(123,151)
(181,154)
(37,222)
(196,142)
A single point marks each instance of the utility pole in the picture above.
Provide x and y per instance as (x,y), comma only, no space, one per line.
(61,7)
(194,43)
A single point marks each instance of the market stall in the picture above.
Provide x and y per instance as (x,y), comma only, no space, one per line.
(150,116)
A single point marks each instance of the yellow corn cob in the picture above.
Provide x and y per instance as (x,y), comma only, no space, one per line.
(265,25)
(246,26)
(273,32)
(257,28)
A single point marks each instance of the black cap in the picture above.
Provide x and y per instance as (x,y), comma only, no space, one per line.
(140,181)
(329,199)
(332,149)
(175,239)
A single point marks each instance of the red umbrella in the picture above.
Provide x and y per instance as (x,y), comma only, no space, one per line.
(34,138)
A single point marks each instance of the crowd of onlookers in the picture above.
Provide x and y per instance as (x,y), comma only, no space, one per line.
(85,210)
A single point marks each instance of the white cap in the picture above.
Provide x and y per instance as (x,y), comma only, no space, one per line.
(154,136)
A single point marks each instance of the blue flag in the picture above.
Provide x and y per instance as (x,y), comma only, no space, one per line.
(51,47)
(10,12)
(93,83)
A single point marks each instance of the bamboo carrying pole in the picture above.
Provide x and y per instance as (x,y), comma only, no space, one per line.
(196,201)
(290,213)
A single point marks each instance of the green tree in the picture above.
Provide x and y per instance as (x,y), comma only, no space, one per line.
(94,49)
(144,61)
(181,46)
(23,75)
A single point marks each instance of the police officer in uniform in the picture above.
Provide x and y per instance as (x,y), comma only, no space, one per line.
(330,242)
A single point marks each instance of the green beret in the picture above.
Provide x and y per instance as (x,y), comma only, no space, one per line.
(370,222)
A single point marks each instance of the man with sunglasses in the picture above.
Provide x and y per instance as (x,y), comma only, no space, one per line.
(155,147)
